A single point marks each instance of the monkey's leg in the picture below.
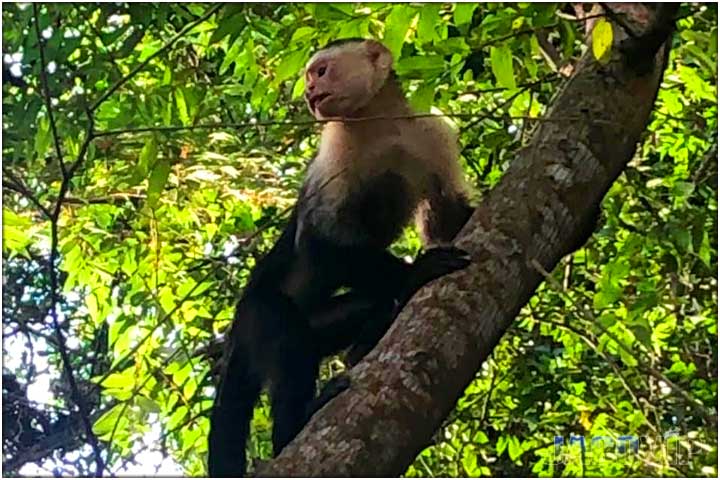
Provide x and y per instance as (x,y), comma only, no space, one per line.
(231,414)
(336,323)
(291,393)
(361,320)
(362,316)
(431,265)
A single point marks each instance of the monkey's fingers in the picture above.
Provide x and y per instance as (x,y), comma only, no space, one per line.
(334,387)
(444,260)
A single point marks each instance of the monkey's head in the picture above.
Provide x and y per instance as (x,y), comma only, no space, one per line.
(344,76)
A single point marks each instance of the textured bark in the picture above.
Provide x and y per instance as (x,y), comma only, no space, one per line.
(543,208)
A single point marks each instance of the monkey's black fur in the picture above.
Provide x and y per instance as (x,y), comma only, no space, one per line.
(274,338)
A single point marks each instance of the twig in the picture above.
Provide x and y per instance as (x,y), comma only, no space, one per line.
(161,50)
(505,103)
(46,89)
(18,186)
(553,77)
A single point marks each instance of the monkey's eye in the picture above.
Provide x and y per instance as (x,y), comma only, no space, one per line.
(321,71)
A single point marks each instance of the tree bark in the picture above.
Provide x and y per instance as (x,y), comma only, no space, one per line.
(544,207)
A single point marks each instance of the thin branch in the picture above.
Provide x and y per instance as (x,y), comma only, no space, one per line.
(16,185)
(477,118)
(553,77)
(77,397)
(46,89)
(112,198)
(160,51)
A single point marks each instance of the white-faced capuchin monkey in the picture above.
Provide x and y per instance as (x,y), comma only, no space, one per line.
(376,167)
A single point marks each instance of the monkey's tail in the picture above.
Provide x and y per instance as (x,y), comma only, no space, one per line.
(231,415)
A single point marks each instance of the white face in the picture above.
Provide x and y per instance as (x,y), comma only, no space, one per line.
(342,79)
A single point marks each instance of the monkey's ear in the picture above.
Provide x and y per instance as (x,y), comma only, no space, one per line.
(379,55)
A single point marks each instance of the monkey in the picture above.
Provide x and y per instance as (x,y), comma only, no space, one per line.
(376,167)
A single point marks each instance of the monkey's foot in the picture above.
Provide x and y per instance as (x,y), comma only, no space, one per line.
(332,389)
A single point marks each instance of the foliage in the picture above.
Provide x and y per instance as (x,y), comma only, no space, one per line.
(173,145)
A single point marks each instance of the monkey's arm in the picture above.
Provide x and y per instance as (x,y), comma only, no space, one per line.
(443,213)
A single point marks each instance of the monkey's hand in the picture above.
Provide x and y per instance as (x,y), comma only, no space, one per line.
(332,389)
(433,264)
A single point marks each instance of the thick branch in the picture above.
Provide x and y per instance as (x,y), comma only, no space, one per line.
(543,208)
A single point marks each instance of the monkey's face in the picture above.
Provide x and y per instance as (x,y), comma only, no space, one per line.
(341,80)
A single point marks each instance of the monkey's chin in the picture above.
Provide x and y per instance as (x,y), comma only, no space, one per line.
(333,110)
(326,113)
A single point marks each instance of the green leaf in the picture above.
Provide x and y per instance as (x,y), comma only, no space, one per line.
(147,405)
(43,137)
(157,181)
(602,40)
(167,299)
(124,380)
(427,66)
(182,107)
(231,54)
(427,23)
(17,231)
(705,249)
(147,158)
(107,421)
(177,416)
(290,65)
(92,306)
(397,25)
(514,450)
(422,99)
(469,462)
(628,358)
(233,23)
(501,62)
(480,437)
(501,444)
(298,88)
(463,13)
(302,35)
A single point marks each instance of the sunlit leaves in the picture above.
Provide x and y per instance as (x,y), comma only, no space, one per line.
(43,137)
(463,13)
(602,40)
(427,66)
(158,179)
(110,421)
(182,107)
(396,27)
(18,232)
(290,65)
(501,61)
(428,22)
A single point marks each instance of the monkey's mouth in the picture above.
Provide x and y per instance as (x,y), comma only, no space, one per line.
(316,99)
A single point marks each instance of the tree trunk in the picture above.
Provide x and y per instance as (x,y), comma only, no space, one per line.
(544,207)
